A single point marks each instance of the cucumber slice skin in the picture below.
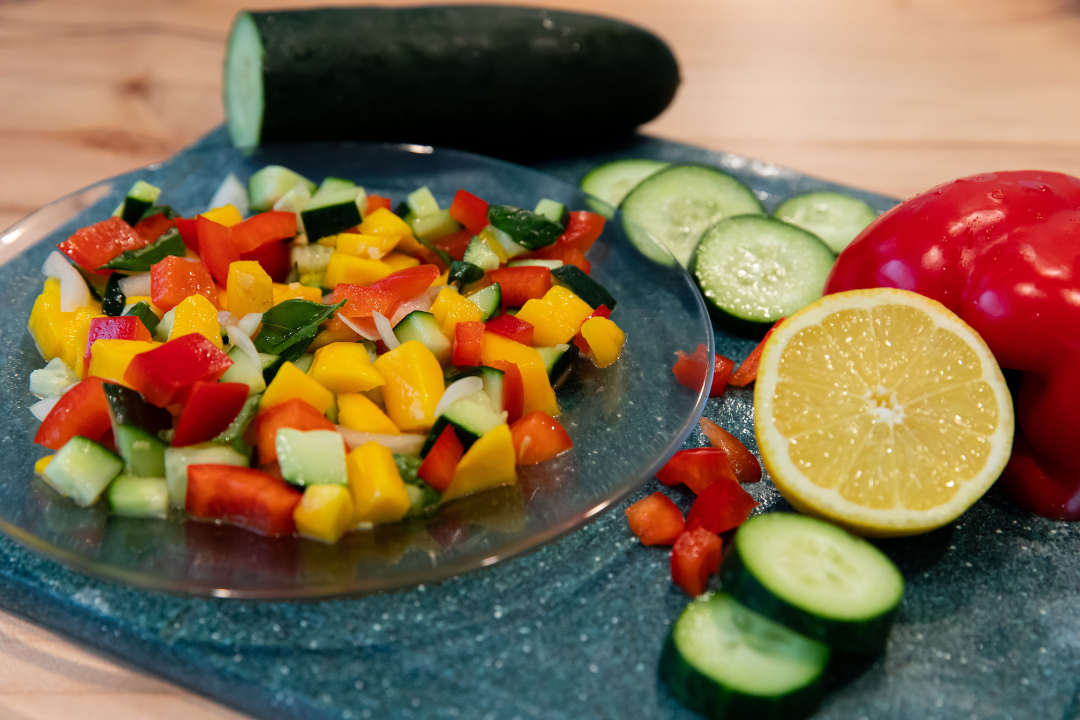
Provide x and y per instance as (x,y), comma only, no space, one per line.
(330,218)
(488,299)
(834,217)
(576,281)
(143,453)
(613,181)
(422,326)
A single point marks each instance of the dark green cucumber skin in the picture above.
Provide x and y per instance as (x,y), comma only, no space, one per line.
(133,210)
(127,407)
(592,292)
(545,77)
(864,638)
(464,272)
(467,438)
(705,696)
(330,220)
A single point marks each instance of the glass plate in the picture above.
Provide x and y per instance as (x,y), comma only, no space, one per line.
(625,420)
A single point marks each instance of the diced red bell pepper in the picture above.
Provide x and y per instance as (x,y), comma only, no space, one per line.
(189,232)
(274,258)
(573,256)
(697,468)
(266,227)
(363,300)
(468,338)
(208,410)
(470,211)
(441,462)
(175,278)
(519,284)
(538,437)
(127,327)
(410,282)
(747,372)
(746,467)
(694,558)
(376,202)
(721,507)
(242,496)
(455,244)
(82,410)
(510,327)
(690,370)
(153,227)
(513,390)
(217,249)
(93,246)
(295,414)
(579,339)
(581,232)
(656,520)
(163,375)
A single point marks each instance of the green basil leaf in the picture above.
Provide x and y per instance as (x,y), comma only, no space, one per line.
(289,327)
(141,260)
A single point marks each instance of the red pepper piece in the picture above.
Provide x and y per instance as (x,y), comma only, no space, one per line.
(175,278)
(697,468)
(410,282)
(363,300)
(189,233)
(295,414)
(510,327)
(513,390)
(519,284)
(747,372)
(746,467)
(468,338)
(721,507)
(165,373)
(442,459)
(538,437)
(242,496)
(153,227)
(127,327)
(455,243)
(274,258)
(208,410)
(581,232)
(93,246)
(656,520)
(694,558)
(217,249)
(583,344)
(376,202)
(690,370)
(470,211)
(82,410)
(266,227)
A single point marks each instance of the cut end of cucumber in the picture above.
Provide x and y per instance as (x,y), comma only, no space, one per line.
(244,100)
(835,218)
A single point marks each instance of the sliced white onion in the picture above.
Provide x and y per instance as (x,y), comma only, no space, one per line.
(408,444)
(74,293)
(231,192)
(367,334)
(238,338)
(136,285)
(457,390)
(250,323)
(386,331)
(422,302)
(226,318)
(42,408)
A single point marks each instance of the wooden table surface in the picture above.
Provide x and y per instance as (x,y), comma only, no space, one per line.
(892,96)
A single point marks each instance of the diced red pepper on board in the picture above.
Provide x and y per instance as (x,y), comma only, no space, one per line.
(747,372)
(746,467)
(656,520)
(538,437)
(690,370)
(242,496)
(695,556)
(721,507)
(697,468)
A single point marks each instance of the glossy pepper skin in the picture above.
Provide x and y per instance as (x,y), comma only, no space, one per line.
(1002,251)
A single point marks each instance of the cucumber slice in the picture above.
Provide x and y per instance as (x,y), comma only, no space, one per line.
(424,328)
(139,496)
(494,381)
(472,417)
(556,359)
(178,459)
(304,362)
(527,229)
(488,300)
(331,184)
(576,281)
(244,371)
(550,264)
(512,248)
(137,201)
(755,270)
(81,470)
(816,579)
(726,661)
(422,203)
(481,255)
(613,181)
(331,213)
(143,453)
(835,218)
(127,407)
(270,184)
(554,211)
(677,204)
(464,273)
(312,457)
(434,226)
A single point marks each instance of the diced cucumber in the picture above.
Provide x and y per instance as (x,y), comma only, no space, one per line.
(268,361)
(677,204)
(143,453)
(613,181)
(53,379)
(270,184)
(512,248)
(402,210)
(576,281)
(312,457)
(422,203)
(140,197)
(234,434)
(471,416)
(481,255)
(726,661)
(494,381)
(231,192)
(142,311)
(303,363)
(755,270)
(556,359)
(164,326)
(424,328)
(295,201)
(536,262)
(488,300)
(331,213)
(816,579)
(243,371)
(434,226)
(554,211)
(311,258)
(464,273)
(127,407)
(835,218)
(113,300)
(178,459)
(330,184)
(139,496)
(82,469)
(528,229)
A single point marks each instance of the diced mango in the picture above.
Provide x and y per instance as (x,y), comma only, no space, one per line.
(250,289)
(443,280)
(605,340)
(61,334)
(196,314)
(357,412)
(295,291)
(414,385)
(572,308)
(372,247)
(226,215)
(385,223)
(400,261)
(345,367)
(353,270)
(325,512)
(292,382)
(551,327)
(487,464)
(42,463)
(378,492)
(109,359)
(450,308)
(539,394)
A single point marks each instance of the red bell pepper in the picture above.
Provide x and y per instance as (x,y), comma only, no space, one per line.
(274,257)
(127,327)
(82,410)
(153,227)
(538,437)
(295,414)
(510,327)
(242,496)
(690,370)
(583,344)
(581,232)
(747,372)
(442,459)
(455,244)
(468,338)
(377,202)
(656,520)
(208,410)
(721,507)
(189,232)
(697,468)
(266,227)
(363,300)
(175,278)
(217,248)
(519,284)
(746,467)
(470,211)
(694,558)
(513,390)
(93,246)
(163,375)
(410,282)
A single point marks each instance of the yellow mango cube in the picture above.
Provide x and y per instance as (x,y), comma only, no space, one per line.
(295,291)
(292,382)
(357,412)
(382,222)
(249,288)
(414,385)
(551,327)
(378,492)
(109,359)
(61,334)
(572,308)
(450,308)
(325,512)
(605,340)
(400,261)
(372,247)
(539,394)
(442,280)
(226,215)
(487,464)
(42,463)
(353,270)
(345,367)
(196,314)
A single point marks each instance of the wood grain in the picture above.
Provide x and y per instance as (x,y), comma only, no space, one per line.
(892,95)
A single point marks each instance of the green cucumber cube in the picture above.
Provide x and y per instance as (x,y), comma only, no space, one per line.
(143,453)
(312,457)
(139,496)
(82,469)
(178,459)
(422,203)
(478,253)
(244,371)
(268,185)
(434,226)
